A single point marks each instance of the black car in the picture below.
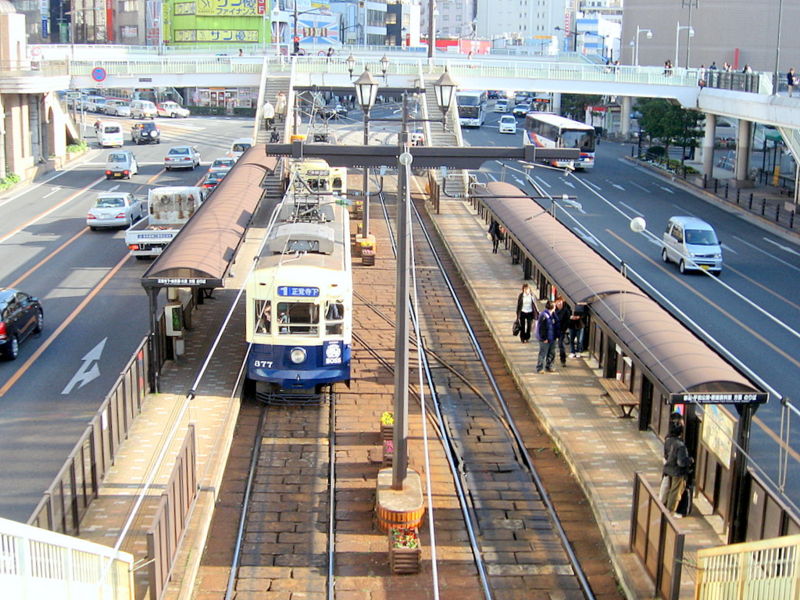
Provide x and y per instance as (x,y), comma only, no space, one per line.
(145,133)
(20,316)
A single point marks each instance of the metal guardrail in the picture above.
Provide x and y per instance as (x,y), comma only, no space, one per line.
(68,498)
(169,523)
(655,540)
(35,564)
(763,569)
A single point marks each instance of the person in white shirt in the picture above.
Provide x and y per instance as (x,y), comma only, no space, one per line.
(268,112)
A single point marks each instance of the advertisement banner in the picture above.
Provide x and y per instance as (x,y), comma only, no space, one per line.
(227,8)
(44,12)
(215,35)
(109,21)
(152,20)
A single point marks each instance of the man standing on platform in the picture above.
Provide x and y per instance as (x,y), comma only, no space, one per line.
(546,334)
(676,468)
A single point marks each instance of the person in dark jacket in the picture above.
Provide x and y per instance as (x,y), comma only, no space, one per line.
(575,331)
(563,313)
(676,466)
(526,312)
(494,231)
(546,334)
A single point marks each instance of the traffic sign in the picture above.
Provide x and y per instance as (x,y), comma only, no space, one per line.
(99,74)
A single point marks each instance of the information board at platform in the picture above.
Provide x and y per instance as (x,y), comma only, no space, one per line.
(719,398)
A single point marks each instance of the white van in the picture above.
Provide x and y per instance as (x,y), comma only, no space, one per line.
(692,244)
(109,133)
(240,146)
(143,109)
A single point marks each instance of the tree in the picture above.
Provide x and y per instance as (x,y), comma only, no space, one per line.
(669,123)
(574,105)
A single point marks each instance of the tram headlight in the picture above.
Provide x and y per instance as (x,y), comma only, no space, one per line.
(298,355)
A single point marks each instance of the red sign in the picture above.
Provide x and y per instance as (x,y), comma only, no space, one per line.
(109,21)
(261,6)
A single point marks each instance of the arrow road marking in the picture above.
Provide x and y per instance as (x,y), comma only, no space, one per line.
(543,182)
(589,239)
(782,247)
(519,181)
(89,370)
(51,192)
(630,208)
(757,249)
(619,187)
(570,184)
(114,189)
(641,187)
(666,189)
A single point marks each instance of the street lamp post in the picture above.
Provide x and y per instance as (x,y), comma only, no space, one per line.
(351,64)
(431,30)
(678,30)
(366,92)
(775,82)
(639,31)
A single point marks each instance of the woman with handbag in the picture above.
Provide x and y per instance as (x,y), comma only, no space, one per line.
(526,312)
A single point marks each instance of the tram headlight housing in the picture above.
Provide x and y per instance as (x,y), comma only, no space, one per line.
(297,355)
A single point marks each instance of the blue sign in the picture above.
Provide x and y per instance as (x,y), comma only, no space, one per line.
(99,74)
(298,292)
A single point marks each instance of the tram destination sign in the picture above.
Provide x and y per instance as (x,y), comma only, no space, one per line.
(719,398)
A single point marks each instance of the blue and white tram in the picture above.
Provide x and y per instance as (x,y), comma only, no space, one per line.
(299,302)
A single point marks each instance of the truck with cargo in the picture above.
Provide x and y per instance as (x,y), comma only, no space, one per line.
(168,209)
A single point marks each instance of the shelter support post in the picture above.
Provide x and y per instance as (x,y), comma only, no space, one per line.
(708,146)
(155,345)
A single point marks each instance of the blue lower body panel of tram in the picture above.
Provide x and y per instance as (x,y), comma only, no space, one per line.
(323,365)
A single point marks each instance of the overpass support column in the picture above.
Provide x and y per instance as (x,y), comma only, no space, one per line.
(625,117)
(708,146)
(557,103)
(743,153)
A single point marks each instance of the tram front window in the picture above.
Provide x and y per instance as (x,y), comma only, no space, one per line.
(298,318)
(263,312)
(334,315)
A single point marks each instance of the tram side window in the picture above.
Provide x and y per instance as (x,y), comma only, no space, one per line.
(334,315)
(298,318)
(263,312)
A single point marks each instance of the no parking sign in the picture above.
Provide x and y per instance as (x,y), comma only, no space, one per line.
(98,74)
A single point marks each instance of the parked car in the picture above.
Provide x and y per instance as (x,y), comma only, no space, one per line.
(115,209)
(145,133)
(143,109)
(508,124)
(121,164)
(119,108)
(222,163)
(213,178)
(522,109)
(182,157)
(240,146)
(171,109)
(20,316)
(692,244)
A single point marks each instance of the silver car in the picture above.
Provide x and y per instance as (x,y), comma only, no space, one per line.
(182,157)
(115,209)
(119,108)
(121,163)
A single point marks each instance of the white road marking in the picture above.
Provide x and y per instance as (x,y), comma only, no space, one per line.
(593,185)
(519,181)
(630,208)
(772,256)
(543,182)
(641,187)
(570,184)
(684,211)
(114,189)
(619,187)
(782,247)
(729,249)
(666,189)
(51,192)
(89,370)
(589,239)
(491,176)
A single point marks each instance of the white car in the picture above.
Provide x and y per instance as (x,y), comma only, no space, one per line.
(222,163)
(94,103)
(121,164)
(240,146)
(508,124)
(115,209)
(182,157)
(171,109)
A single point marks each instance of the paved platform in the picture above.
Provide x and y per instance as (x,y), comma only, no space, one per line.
(603,450)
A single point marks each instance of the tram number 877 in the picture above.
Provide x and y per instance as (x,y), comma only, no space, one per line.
(267,364)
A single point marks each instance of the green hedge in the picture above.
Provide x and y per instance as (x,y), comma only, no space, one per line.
(207,110)
(244,112)
(8,181)
(79,147)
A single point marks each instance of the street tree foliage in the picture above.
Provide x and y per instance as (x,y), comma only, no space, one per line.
(669,123)
(574,105)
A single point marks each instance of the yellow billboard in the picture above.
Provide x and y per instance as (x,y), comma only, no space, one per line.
(229,8)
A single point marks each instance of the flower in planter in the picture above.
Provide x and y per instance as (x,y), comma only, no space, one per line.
(404,537)
(388,446)
(387,419)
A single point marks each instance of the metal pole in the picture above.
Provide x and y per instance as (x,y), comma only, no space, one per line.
(296,111)
(636,48)
(688,36)
(400,436)
(775,83)
(155,346)
(431,40)
(677,41)
(365,187)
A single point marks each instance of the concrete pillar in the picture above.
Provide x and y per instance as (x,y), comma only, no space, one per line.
(708,146)
(743,153)
(557,103)
(625,117)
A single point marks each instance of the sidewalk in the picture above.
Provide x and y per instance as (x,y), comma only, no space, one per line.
(603,450)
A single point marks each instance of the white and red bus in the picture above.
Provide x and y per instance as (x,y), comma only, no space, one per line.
(546,130)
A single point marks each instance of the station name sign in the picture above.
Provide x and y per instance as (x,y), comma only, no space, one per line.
(719,398)
(177,281)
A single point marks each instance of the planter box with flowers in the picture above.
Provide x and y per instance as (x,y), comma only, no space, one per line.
(405,550)
(387,425)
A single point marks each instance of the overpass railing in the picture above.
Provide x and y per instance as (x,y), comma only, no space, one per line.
(35,563)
